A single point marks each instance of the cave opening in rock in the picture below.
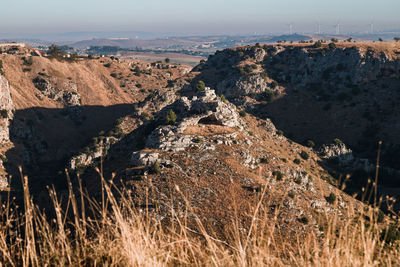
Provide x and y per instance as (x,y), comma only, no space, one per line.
(210,120)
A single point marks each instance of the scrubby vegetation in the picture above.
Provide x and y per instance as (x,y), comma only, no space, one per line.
(117,234)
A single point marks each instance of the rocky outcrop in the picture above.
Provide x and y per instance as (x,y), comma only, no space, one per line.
(204,108)
(68,97)
(337,67)
(87,158)
(6,110)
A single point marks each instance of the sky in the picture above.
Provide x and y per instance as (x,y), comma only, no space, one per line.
(196,17)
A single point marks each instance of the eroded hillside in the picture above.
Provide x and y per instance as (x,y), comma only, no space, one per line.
(175,146)
(347,92)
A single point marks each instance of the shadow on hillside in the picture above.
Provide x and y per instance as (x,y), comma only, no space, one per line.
(45,139)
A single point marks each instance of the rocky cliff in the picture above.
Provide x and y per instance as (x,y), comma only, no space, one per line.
(6,110)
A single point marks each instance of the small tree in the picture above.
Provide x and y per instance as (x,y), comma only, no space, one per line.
(167,60)
(397,39)
(310,143)
(380,40)
(318,44)
(155,168)
(332,46)
(200,86)
(171,117)
(304,155)
(55,51)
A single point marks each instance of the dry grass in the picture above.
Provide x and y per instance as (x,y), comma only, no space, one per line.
(118,234)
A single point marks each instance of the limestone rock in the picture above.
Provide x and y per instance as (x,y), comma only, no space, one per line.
(6,110)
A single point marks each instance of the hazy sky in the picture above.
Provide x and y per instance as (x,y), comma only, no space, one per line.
(196,17)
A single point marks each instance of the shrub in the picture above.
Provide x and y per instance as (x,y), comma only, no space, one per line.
(155,168)
(137,71)
(304,155)
(278,175)
(297,180)
(198,140)
(222,97)
(1,68)
(310,143)
(264,160)
(3,158)
(331,199)
(297,161)
(3,113)
(107,65)
(274,84)
(318,44)
(200,86)
(171,117)
(242,113)
(332,46)
(337,141)
(269,95)
(279,132)
(251,133)
(167,60)
(291,194)
(391,233)
(28,61)
(55,51)
(304,220)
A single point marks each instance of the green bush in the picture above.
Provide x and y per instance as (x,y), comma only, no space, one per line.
(28,61)
(155,168)
(279,132)
(337,141)
(318,44)
(170,118)
(304,220)
(1,68)
(3,113)
(242,113)
(278,175)
(310,143)
(297,161)
(200,86)
(137,71)
(222,97)
(304,155)
(331,199)
(269,95)
(198,140)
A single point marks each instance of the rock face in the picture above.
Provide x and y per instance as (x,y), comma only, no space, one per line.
(66,97)
(338,67)
(303,66)
(6,110)
(339,151)
(239,86)
(204,108)
(85,159)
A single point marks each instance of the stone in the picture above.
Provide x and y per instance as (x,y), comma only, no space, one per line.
(144,159)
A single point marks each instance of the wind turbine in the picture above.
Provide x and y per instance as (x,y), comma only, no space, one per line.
(319,28)
(371,26)
(337,28)
(290,28)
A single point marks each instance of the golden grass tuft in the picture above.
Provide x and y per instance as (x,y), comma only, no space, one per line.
(118,234)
